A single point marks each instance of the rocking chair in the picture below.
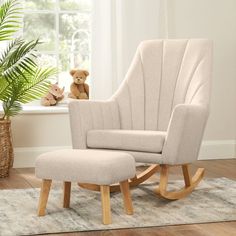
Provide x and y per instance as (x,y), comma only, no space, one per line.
(158,114)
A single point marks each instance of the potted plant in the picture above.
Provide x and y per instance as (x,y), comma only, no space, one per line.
(21,79)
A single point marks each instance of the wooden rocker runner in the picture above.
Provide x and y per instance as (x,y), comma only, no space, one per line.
(158,115)
(190,183)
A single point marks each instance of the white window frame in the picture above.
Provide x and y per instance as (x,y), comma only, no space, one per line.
(57,13)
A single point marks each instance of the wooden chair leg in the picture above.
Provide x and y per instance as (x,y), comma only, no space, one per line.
(66,194)
(106,207)
(124,187)
(164,174)
(187,178)
(45,188)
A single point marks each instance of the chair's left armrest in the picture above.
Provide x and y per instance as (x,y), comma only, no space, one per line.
(86,115)
(184,134)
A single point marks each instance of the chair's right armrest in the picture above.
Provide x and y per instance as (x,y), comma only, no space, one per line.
(86,115)
(184,134)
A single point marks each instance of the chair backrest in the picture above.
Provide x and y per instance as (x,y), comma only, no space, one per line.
(163,74)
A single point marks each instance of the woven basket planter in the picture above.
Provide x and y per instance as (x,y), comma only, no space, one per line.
(6,148)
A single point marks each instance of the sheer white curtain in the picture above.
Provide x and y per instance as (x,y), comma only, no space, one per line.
(118,26)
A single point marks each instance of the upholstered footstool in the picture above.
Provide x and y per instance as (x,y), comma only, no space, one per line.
(102,168)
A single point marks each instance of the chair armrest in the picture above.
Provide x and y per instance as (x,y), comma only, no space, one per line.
(86,115)
(184,134)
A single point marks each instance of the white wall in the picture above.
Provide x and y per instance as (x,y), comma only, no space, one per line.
(34,130)
(214,19)
(34,134)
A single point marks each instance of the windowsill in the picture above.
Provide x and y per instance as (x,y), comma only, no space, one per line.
(36,108)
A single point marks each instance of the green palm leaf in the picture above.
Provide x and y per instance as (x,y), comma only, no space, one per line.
(10,13)
(24,91)
(36,85)
(11,108)
(9,47)
(3,88)
(18,58)
(21,80)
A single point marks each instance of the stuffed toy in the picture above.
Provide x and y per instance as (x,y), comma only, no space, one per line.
(79,89)
(54,95)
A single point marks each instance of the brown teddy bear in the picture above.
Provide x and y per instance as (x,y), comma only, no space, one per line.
(79,89)
(54,95)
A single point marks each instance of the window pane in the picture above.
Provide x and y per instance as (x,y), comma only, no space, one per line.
(74,45)
(74,33)
(83,5)
(65,80)
(41,26)
(40,4)
(65,62)
(46,60)
(74,60)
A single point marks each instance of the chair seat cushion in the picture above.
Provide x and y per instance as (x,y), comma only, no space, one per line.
(130,140)
(85,166)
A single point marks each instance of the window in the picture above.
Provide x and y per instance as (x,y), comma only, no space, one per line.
(64,28)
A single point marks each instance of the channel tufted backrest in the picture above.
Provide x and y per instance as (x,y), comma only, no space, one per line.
(163,74)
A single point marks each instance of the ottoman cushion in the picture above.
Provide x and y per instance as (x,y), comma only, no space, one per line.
(86,166)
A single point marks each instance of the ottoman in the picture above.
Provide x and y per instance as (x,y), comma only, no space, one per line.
(99,167)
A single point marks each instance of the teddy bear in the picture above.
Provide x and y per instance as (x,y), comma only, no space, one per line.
(54,95)
(79,89)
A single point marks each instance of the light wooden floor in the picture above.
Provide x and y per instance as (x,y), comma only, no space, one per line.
(24,178)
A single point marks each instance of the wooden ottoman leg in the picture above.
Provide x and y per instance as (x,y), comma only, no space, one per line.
(124,187)
(66,194)
(106,207)
(45,188)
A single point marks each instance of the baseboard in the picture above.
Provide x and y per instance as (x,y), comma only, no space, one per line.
(220,149)
(25,156)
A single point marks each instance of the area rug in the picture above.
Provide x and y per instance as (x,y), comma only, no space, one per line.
(213,201)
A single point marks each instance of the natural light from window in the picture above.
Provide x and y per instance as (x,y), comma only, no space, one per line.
(64,28)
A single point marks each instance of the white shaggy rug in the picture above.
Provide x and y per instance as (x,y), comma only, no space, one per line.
(214,200)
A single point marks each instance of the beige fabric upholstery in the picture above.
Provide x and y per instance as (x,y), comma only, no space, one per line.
(132,140)
(86,166)
(167,88)
(184,134)
(88,115)
(149,157)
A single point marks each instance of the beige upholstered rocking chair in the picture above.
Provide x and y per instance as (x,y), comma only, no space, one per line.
(158,114)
